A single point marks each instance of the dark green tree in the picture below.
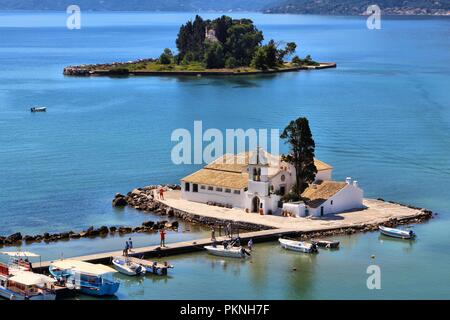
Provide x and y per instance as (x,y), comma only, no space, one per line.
(259,59)
(297,61)
(214,56)
(301,154)
(166,57)
(272,60)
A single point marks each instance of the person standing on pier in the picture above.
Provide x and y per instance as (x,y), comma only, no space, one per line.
(161,193)
(130,245)
(125,250)
(250,244)
(213,234)
(162,234)
(229,234)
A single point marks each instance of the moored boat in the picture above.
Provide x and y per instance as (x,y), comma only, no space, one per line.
(128,267)
(88,278)
(397,233)
(19,260)
(299,246)
(25,285)
(326,243)
(228,250)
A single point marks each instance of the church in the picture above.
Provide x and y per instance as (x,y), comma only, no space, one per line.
(256,182)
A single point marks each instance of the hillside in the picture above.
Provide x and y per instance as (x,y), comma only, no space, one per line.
(358,7)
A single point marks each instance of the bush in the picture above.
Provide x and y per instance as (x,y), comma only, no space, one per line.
(166,57)
(231,63)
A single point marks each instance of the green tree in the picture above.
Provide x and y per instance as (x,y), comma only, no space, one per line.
(214,56)
(301,155)
(259,59)
(230,63)
(166,57)
(272,60)
(297,61)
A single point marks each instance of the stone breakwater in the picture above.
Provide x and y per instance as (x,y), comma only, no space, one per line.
(91,232)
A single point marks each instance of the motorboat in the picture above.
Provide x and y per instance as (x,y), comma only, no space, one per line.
(326,243)
(19,260)
(85,277)
(228,250)
(299,246)
(128,267)
(25,285)
(38,109)
(397,233)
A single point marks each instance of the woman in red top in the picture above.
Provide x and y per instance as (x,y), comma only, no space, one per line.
(162,234)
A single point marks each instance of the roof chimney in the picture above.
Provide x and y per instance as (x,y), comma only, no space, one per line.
(348,180)
(355,183)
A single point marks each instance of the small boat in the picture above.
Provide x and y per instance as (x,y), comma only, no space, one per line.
(88,278)
(38,109)
(25,285)
(19,260)
(326,244)
(299,246)
(228,250)
(128,267)
(397,233)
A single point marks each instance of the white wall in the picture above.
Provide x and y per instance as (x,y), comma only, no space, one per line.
(296,208)
(203,196)
(350,197)
(324,175)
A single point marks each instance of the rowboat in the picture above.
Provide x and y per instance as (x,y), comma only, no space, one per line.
(88,278)
(299,246)
(228,249)
(128,267)
(397,233)
(38,109)
(326,243)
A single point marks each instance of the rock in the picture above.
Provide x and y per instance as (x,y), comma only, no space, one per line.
(28,238)
(64,235)
(148,223)
(103,230)
(119,202)
(46,236)
(136,192)
(125,229)
(15,237)
(112,229)
(75,236)
(175,224)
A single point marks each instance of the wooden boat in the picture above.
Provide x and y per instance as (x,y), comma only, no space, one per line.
(397,233)
(88,278)
(299,246)
(25,285)
(326,244)
(128,267)
(38,109)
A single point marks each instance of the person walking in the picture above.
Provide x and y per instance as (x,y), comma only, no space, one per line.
(162,234)
(229,230)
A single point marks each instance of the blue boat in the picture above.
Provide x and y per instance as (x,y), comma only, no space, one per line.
(87,278)
(397,233)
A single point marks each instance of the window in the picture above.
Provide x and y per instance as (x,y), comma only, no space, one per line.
(331,202)
(283,177)
(187,186)
(237,191)
(202,187)
(219,189)
(195,187)
(210,188)
(228,190)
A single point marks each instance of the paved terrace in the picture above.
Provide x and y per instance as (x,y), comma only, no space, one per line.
(376,212)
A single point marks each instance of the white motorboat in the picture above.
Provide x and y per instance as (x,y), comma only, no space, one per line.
(397,233)
(299,246)
(38,109)
(128,267)
(228,249)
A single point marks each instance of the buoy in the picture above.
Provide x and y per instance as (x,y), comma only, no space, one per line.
(372,256)
(294,269)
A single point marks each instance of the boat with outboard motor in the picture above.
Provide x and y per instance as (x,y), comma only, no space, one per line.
(88,278)
(231,250)
(128,267)
(397,233)
(299,246)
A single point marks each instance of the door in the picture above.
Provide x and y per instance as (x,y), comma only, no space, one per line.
(321,211)
(255,204)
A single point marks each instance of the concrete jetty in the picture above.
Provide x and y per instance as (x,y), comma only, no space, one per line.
(172,248)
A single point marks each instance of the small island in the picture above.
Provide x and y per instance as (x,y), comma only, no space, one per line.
(223,46)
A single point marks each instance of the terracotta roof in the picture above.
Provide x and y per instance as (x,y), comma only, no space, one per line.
(230,171)
(316,194)
(218,178)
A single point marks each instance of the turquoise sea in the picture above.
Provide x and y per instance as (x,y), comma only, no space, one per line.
(382,117)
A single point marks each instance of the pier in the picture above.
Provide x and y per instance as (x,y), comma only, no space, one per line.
(171,249)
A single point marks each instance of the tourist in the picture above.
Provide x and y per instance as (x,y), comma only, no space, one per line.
(125,250)
(229,230)
(130,244)
(162,234)
(213,234)
(250,244)
(161,194)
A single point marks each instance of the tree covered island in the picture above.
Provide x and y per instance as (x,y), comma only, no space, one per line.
(220,46)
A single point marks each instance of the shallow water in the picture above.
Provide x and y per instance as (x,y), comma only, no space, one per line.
(382,117)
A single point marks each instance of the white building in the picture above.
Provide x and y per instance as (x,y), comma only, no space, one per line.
(256,181)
